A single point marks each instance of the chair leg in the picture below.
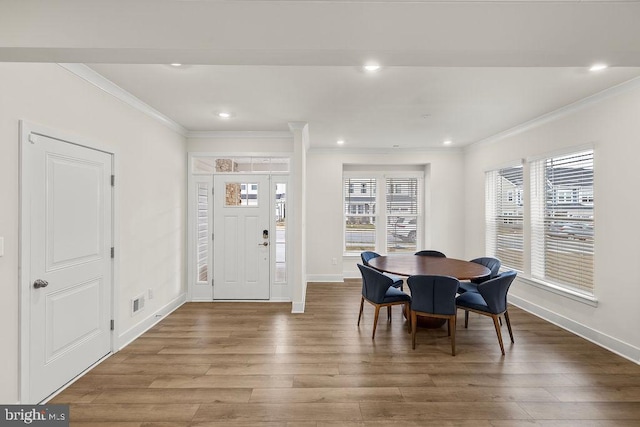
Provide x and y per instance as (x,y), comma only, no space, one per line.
(414,321)
(506,319)
(407,315)
(497,326)
(375,321)
(389,313)
(452,328)
(361,306)
(466,319)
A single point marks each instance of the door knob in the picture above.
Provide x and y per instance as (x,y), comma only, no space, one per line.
(40,284)
(263,244)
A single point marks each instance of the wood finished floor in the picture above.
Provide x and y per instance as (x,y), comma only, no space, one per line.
(246,364)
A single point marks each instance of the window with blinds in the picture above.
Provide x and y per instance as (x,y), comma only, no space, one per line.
(504,216)
(562,222)
(360,214)
(382,211)
(202,238)
(402,214)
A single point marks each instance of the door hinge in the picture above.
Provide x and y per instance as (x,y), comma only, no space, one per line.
(113,252)
(113,324)
(212,191)
(113,180)
(212,282)
(211,236)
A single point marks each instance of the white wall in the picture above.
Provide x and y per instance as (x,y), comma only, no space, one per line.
(151,182)
(612,125)
(444,211)
(242,145)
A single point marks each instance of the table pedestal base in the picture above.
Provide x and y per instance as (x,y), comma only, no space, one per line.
(430,322)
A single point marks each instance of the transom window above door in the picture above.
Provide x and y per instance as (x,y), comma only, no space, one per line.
(238,164)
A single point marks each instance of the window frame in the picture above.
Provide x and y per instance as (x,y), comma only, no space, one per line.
(551,232)
(530,202)
(381,236)
(494,202)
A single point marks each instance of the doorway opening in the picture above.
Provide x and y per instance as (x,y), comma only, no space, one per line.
(238,228)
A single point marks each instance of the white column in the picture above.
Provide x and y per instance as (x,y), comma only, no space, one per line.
(298,282)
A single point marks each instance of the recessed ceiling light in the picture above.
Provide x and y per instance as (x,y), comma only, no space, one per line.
(447,142)
(598,67)
(371,68)
(224,115)
(340,142)
(175,64)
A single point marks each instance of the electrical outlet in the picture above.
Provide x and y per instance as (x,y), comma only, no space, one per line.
(150,293)
(334,261)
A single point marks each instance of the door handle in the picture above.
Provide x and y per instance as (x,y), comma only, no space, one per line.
(40,284)
(263,244)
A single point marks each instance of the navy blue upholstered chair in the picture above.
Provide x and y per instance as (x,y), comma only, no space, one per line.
(434,296)
(397,280)
(490,300)
(433,253)
(492,264)
(377,290)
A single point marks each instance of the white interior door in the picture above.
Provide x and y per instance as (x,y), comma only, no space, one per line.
(67,212)
(241,224)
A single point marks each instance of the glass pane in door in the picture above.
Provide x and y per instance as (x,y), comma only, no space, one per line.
(281,232)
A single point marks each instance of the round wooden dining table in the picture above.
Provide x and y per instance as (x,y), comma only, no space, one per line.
(411,265)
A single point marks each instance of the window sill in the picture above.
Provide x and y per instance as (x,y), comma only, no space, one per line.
(558,290)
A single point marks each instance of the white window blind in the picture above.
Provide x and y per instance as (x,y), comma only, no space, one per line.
(382,211)
(360,214)
(562,222)
(402,214)
(202,240)
(504,216)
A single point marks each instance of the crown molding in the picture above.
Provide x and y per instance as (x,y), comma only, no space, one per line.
(297,125)
(239,134)
(386,151)
(96,79)
(560,112)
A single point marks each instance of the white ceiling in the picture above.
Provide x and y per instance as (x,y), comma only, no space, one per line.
(473,69)
(366,110)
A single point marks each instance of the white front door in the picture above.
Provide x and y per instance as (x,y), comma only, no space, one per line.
(67,198)
(241,237)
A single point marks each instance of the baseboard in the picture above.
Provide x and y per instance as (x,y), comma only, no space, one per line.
(324,278)
(610,343)
(297,307)
(134,332)
(280,299)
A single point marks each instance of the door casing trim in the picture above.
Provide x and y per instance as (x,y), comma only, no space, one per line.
(26,128)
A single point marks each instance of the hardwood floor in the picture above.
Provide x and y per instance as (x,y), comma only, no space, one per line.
(245,364)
